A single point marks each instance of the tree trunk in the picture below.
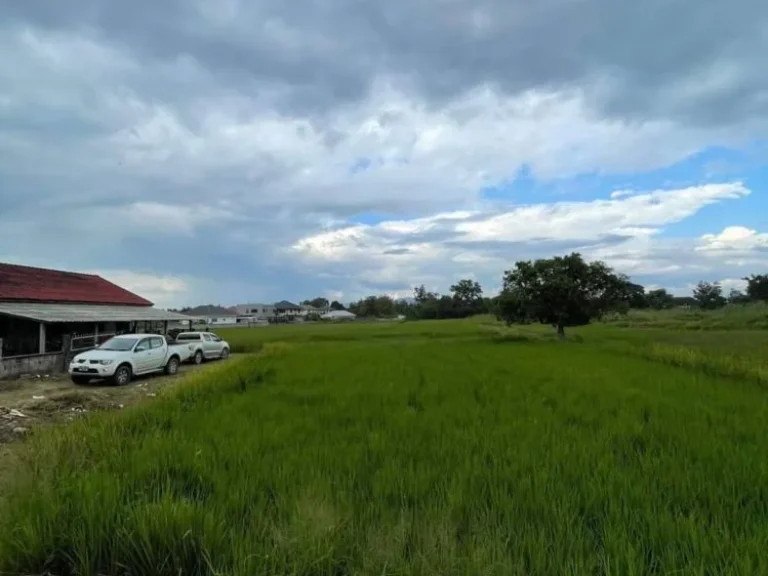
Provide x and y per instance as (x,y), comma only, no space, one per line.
(561,332)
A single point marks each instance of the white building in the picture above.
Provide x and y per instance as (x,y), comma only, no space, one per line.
(255,312)
(338,315)
(211,315)
(279,311)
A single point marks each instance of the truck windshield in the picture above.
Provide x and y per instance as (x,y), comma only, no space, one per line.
(119,344)
(181,337)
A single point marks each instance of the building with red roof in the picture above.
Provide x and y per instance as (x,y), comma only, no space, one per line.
(28,284)
(45,315)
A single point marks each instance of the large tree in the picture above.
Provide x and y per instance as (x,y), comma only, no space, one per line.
(636,296)
(426,306)
(737,297)
(421,295)
(467,298)
(379,306)
(757,287)
(467,291)
(319,302)
(709,296)
(336,305)
(562,291)
(660,299)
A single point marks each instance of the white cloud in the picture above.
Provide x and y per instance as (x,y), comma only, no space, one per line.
(733,239)
(729,284)
(164,291)
(636,215)
(623,232)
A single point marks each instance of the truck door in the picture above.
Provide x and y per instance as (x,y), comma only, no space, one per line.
(208,345)
(142,355)
(158,352)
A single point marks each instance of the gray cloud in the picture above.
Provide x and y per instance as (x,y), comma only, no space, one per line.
(692,61)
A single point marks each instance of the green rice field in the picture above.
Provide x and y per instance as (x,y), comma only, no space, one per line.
(417,448)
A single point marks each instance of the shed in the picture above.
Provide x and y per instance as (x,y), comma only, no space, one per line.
(46,315)
(339,315)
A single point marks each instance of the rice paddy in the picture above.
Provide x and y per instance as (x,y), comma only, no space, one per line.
(451,447)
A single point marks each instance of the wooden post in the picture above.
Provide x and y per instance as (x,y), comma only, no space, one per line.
(165,328)
(96,334)
(66,346)
(41,337)
(1,349)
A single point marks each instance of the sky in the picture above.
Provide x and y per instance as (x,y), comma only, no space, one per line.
(224,151)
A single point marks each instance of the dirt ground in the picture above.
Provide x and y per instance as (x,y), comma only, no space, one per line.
(46,399)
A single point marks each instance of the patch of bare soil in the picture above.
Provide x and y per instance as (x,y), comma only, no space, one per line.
(30,402)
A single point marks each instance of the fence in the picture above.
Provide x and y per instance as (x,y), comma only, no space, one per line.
(87,341)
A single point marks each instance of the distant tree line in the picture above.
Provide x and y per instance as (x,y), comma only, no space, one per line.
(465,299)
(562,291)
(706,295)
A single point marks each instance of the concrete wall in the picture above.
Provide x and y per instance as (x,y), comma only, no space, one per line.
(221,320)
(34,364)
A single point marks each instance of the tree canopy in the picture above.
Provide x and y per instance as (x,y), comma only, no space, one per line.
(709,295)
(737,297)
(319,302)
(660,299)
(467,291)
(562,291)
(757,287)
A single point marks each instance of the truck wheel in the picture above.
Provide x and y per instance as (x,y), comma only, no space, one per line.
(80,379)
(122,375)
(199,357)
(225,354)
(172,367)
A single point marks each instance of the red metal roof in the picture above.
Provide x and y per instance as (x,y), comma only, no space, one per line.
(27,284)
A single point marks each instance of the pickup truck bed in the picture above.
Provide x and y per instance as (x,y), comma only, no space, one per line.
(203,345)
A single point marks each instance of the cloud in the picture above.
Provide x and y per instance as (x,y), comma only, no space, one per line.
(238,145)
(637,215)
(175,219)
(734,239)
(622,232)
(640,216)
(729,284)
(698,72)
(164,291)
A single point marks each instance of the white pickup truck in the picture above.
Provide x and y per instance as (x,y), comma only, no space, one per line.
(207,345)
(122,357)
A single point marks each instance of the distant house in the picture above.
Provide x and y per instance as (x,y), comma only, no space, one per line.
(338,315)
(213,315)
(307,310)
(278,312)
(285,308)
(254,313)
(45,315)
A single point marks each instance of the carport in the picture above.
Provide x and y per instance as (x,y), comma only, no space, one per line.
(41,337)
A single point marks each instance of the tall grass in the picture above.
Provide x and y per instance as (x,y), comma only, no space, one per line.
(731,317)
(418,456)
(251,339)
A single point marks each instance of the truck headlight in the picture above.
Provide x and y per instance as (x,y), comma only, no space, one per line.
(105,362)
